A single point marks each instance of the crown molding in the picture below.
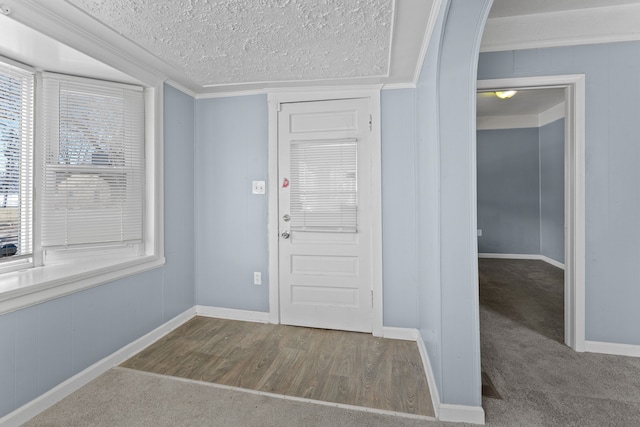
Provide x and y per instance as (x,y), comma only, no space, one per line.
(60,21)
(181,88)
(554,113)
(522,121)
(431,24)
(231,94)
(70,25)
(563,28)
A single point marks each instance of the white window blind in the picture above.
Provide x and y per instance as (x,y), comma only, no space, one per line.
(324,185)
(16,160)
(93,177)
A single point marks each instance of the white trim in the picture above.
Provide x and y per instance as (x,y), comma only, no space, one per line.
(431,379)
(552,114)
(431,24)
(523,256)
(523,121)
(619,349)
(273,220)
(275,98)
(320,93)
(461,414)
(406,334)
(376,215)
(607,24)
(232,314)
(552,261)
(181,88)
(214,95)
(392,86)
(394,16)
(574,192)
(443,411)
(55,281)
(67,24)
(64,389)
(18,65)
(284,397)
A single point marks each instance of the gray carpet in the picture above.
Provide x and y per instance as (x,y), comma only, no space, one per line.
(541,381)
(124,397)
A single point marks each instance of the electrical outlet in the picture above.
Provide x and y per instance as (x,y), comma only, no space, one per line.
(479,233)
(257,278)
(258,187)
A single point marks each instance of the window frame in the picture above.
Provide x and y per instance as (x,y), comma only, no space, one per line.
(47,146)
(26,260)
(39,282)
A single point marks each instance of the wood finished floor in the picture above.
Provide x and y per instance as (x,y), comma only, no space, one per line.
(331,366)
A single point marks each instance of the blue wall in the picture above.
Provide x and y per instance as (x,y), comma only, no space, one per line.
(509,191)
(521,191)
(399,209)
(232,240)
(552,190)
(428,204)
(460,324)
(448,317)
(428,199)
(43,345)
(232,142)
(612,173)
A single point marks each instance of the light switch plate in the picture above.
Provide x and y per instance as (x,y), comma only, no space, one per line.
(258,187)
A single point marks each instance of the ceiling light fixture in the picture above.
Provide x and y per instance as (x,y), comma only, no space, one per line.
(506,94)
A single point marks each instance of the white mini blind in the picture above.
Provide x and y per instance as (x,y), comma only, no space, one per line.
(324,185)
(93,177)
(16,160)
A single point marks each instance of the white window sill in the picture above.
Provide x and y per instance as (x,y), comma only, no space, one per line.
(24,288)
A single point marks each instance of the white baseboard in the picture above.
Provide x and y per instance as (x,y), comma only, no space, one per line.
(233,314)
(461,414)
(523,256)
(445,411)
(612,348)
(552,262)
(407,334)
(431,379)
(411,334)
(64,389)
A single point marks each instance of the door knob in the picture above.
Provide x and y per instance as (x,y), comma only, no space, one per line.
(285,235)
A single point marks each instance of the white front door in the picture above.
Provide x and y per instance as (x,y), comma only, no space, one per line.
(325,214)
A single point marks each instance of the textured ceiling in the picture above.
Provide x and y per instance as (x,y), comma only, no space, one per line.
(234,41)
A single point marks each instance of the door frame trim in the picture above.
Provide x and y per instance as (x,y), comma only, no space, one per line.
(277,97)
(574,203)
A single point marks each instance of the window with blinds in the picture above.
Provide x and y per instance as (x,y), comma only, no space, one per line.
(324,185)
(16,159)
(93,166)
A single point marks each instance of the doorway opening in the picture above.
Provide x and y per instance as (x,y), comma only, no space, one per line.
(573,89)
(520,210)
